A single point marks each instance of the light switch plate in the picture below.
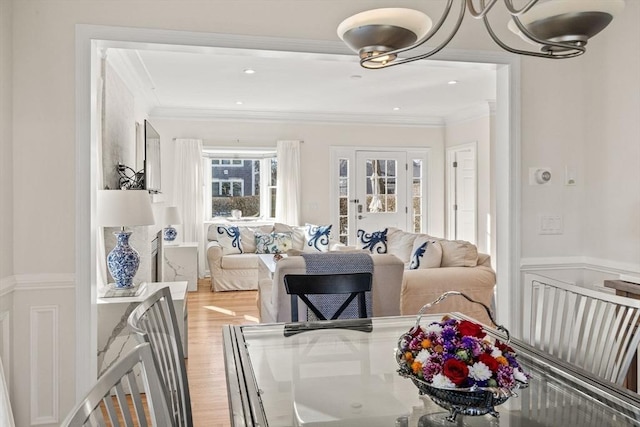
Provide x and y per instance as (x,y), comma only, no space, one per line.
(550,224)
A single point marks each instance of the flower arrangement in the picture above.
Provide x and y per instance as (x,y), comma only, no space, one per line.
(458,354)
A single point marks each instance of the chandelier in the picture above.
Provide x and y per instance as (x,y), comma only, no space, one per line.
(559,28)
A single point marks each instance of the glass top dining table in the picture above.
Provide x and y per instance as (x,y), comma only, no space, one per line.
(344,373)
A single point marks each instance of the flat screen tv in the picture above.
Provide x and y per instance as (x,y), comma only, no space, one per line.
(152,181)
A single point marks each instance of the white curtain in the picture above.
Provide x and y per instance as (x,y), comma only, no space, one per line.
(288,184)
(188,191)
(101,253)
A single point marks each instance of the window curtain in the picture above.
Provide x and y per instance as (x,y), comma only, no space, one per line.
(188,192)
(288,183)
(101,253)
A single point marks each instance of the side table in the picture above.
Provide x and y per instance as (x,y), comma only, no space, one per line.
(180,262)
(114,335)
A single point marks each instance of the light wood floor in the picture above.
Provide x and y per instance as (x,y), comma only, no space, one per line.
(208,312)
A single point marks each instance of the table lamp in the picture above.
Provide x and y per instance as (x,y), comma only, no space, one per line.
(122,208)
(171,216)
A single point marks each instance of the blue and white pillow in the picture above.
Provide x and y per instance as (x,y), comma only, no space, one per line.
(229,238)
(426,253)
(273,243)
(374,242)
(316,238)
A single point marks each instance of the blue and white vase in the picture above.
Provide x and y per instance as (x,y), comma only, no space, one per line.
(123,261)
(170,234)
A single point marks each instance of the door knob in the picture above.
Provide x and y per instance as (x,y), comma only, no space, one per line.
(361,216)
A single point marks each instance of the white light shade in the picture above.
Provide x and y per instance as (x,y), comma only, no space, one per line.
(552,8)
(121,208)
(172,216)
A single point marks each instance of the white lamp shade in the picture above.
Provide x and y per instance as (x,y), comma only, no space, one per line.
(172,216)
(121,208)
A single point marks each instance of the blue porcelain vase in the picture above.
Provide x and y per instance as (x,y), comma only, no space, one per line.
(170,234)
(123,261)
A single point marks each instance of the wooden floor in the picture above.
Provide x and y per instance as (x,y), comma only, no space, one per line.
(208,312)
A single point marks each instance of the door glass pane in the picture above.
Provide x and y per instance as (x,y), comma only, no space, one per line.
(417,196)
(381,185)
(343,201)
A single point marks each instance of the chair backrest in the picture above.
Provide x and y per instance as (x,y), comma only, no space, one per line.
(594,330)
(154,321)
(354,284)
(116,400)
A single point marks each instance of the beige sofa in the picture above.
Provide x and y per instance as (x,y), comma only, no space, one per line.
(239,271)
(274,304)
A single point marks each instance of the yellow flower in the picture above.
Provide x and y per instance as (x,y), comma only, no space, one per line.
(416,367)
(502,360)
(426,343)
(408,356)
(438,349)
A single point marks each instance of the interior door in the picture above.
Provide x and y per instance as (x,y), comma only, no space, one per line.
(381,190)
(462,194)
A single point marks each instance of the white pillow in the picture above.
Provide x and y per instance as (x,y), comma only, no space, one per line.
(316,238)
(400,243)
(426,253)
(273,243)
(230,239)
(459,253)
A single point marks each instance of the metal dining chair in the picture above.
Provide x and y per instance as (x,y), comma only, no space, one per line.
(154,321)
(594,330)
(301,286)
(116,400)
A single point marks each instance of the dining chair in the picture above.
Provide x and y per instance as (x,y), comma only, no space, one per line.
(154,321)
(116,400)
(594,330)
(304,285)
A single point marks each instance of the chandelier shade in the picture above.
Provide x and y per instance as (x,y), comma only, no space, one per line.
(558,28)
(374,33)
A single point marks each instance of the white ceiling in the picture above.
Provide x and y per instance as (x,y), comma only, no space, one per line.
(301,86)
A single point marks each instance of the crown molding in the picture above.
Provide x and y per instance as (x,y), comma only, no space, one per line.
(288,116)
(472,112)
(130,68)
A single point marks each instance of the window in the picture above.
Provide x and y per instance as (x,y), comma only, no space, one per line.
(247,184)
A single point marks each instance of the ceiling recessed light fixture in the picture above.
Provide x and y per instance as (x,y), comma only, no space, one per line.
(452,82)
(239,102)
(356,76)
(396,108)
(249,71)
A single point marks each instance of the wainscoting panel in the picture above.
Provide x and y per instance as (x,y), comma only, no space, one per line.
(44,364)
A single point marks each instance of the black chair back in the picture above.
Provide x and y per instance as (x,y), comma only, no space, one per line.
(354,284)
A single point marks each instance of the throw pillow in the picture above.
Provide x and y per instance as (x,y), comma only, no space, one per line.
(400,243)
(458,253)
(316,238)
(273,243)
(374,242)
(229,238)
(426,253)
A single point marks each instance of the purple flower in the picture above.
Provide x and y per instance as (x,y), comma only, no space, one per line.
(448,333)
(430,369)
(505,377)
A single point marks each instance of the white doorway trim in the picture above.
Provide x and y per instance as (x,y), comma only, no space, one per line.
(90,37)
(451,184)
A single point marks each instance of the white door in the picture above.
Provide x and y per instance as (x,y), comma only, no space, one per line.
(381,190)
(462,193)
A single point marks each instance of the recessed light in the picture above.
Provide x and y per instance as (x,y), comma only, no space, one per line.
(249,71)
(452,82)
(396,108)
(239,102)
(356,76)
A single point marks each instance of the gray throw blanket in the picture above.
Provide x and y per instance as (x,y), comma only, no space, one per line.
(337,263)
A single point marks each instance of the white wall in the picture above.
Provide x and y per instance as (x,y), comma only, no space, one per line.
(6,141)
(477,130)
(314,152)
(559,101)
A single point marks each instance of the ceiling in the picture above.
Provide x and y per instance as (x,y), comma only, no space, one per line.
(301,86)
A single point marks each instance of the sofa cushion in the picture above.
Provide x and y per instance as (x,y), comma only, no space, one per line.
(458,253)
(273,243)
(240,262)
(400,243)
(297,234)
(316,238)
(230,239)
(426,253)
(248,237)
(374,242)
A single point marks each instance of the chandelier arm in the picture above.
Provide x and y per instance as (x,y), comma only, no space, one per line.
(572,51)
(515,12)
(428,36)
(483,10)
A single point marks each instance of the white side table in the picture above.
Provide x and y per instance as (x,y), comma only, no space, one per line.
(180,262)
(114,335)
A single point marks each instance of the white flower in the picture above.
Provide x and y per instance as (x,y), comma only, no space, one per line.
(440,381)
(479,371)
(495,352)
(433,328)
(518,375)
(423,356)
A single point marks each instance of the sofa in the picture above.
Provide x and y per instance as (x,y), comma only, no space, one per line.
(232,250)
(434,266)
(274,304)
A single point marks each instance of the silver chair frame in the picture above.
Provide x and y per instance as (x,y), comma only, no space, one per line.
(154,321)
(119,382)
